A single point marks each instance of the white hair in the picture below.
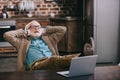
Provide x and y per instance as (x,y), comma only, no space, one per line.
(29,24)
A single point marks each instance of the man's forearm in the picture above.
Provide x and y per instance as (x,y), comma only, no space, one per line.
(56,29)
(56,33)
(13,37)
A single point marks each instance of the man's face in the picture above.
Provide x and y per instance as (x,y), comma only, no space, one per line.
(35,30)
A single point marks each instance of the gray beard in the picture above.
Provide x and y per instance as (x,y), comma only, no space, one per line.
(36,35)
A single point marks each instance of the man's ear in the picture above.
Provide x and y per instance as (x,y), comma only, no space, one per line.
(28,32)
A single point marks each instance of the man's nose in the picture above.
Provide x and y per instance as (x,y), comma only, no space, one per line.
(37,28)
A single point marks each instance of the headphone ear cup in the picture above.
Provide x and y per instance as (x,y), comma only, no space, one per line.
(28,33)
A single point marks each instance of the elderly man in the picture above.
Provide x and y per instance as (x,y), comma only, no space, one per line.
(37,47)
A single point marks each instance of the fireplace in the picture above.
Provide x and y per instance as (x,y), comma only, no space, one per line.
(6,25)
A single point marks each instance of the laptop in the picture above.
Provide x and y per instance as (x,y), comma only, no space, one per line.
(81,66)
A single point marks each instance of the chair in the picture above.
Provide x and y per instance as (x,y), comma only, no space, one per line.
(89,47)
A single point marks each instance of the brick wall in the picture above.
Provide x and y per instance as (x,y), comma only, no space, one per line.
(43,8)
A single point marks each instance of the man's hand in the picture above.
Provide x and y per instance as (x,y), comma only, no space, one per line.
(26,34)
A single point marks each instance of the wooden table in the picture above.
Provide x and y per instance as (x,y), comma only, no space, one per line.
(101,73)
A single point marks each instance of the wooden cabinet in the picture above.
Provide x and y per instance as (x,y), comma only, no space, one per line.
(73,39)
(7,49)
(22,23)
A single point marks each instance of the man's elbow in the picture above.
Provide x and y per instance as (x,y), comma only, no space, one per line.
(64,29)
(5,35)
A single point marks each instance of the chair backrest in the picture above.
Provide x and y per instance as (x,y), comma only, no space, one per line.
(89,47)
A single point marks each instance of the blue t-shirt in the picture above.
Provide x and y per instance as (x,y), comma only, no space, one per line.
(37,50)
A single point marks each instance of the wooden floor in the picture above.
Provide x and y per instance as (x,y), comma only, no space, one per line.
(8,62)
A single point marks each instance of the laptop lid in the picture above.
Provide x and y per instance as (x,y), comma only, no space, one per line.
(81,66)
